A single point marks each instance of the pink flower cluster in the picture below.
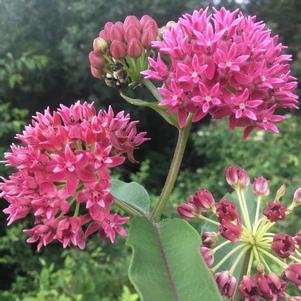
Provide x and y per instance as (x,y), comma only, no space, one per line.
(264,247)
(226,65)
(117,40)
(63,173)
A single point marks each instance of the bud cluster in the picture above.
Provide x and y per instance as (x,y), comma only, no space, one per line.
(121,50)
(248,238)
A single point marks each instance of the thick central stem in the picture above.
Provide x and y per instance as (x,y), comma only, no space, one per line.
(173,170)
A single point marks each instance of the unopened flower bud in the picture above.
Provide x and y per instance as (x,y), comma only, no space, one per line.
(203,200)
(207,255)
(295,299)
(187,211)
(209,239)
(95,72)
(283,245)
(131,21)
(134,49)
(280,192)
(132,33)
(100,45)
(117,32)
(96,59)
(226,283)
(297,196)
(148,36)
(275,211)
(145,19)
(118,49)
(293,274)
(105,33)
(237,177)
(261,186)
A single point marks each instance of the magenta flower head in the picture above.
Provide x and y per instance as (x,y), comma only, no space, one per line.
(283,245)
(248,289)
(63,173)
(261,186)
(225,65)
(293,274)
(124,47)
(237,177)
(275,211)
(226,283)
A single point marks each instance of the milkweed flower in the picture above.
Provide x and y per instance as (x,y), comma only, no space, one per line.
(224,65)
(240,227)
(121,50)
(63,173)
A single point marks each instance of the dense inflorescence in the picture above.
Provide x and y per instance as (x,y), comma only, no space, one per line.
(63,173)
(245,234)
(226,65)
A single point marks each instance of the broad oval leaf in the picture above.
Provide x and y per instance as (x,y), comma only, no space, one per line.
(132,195)
(166,263)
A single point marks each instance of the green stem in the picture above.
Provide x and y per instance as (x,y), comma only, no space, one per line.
(238,259)
(237,248)
(264,262)
(173,170)
(208,220)
(152,88)
(244,209)
(249,270)
(274,258)
(257,214)
(244,269)
(221,246)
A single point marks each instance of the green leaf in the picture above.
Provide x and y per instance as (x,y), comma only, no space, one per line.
(166,263)
(169,117)
(132,196)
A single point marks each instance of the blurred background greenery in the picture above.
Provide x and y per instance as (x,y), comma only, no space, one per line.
(43,62)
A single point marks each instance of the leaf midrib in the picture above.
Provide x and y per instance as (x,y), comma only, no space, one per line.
(165,264)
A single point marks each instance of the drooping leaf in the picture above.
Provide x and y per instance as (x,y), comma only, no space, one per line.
(166,263)
(132,195)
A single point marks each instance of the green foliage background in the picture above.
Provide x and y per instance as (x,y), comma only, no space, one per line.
(43,62)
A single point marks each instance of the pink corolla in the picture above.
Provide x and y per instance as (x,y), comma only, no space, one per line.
(225,65)
(63,173)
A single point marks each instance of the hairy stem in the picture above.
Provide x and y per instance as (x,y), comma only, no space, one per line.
(173,170)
